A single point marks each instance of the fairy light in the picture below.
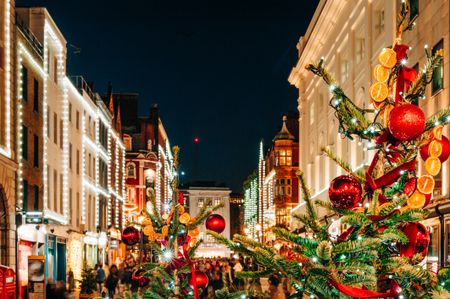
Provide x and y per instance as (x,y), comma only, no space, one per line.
(19,130)
(6,150)
(83,172)
(404,61)
(332,88)
(65,117)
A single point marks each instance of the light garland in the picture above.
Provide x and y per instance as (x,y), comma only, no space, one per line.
(6,150)
(83,171)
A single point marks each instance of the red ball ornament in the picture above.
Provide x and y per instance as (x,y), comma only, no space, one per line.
(445,150)
(406,122)
(215,222)
(130,235)
(201,279)
(345,192)
(418,237)
(139,278)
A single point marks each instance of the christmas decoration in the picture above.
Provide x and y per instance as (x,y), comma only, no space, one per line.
(139,278)
(200,279)
(130,235)
(445,150)
(345,192)
(418,237)
(88,284)
(378,254)
(406,122)
(173,236)
(215,222)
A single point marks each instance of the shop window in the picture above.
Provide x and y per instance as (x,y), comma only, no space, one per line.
(437,82)
(432,260)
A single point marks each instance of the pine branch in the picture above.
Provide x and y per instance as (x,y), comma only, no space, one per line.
(356,246)
(310,209)
(442,117)
(286,235)
(203,214)
(360,176)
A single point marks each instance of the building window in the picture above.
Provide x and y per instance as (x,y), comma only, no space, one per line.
(284,158)
(61,205)
(36,198)
(131,170)
(55,70)
(432,258)
(55,189)
(24,142)
(25,195)
(311,113)
(360,49)
(379,22)
(78,162)
(24,83)
(345,70)
(70,112)
(437,82)
(70,155)
(61,137)
(48,121)
(201,202)
(36,96)
(77,121)
(413,9)
(89,165)
(77,209)
(36,151)
(217,201)
(55,128)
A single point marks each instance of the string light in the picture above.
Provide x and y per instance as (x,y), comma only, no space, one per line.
(6,150)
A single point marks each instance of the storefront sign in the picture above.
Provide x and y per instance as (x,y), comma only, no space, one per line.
(36,277)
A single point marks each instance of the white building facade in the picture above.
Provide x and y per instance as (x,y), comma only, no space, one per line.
(349,35)
(197,197)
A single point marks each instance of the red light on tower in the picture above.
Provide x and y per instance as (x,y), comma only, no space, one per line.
(196,140)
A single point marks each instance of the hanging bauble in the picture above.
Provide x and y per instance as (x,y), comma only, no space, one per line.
(215,222)
(201,279)
(130,235)
(445,143)
(406,122)
(345,192)
(418,237)
(139,278)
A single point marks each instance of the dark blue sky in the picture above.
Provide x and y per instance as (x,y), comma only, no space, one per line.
(217,69)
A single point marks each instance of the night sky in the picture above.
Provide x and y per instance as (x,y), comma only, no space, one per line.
(217,69)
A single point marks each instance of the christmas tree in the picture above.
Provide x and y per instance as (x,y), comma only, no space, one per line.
(88,285)
(380,252)
(174,237)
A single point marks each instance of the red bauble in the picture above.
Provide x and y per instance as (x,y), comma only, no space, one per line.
(445,150)
(418,237)
(130,235)
(410,187)
(406,122)
(345,192)
(139,278)
(201,279)
(215,222)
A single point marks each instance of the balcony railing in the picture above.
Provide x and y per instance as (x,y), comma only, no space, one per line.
(82,85)
(32,39)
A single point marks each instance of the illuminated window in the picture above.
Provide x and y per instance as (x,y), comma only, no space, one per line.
(217,201)
(200,203)
(131,170)
(379,22)
(437,82)
(284,158)
(345,70)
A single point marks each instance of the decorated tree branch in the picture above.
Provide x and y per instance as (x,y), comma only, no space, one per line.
(380,252)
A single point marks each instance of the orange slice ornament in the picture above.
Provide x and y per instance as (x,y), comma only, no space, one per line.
(435,148)
(425,184)
(387,58)
(437,132)
(416,200)
(380,73)
(379,91)
(433,165)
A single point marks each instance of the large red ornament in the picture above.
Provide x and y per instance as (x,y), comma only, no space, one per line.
(215,222)
(130,235)
(418,237)
(345,192)
(139,278)
(201,279)
(445,150)
(406,122)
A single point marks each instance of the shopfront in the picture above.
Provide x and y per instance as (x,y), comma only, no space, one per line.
(75,254)
(90,241)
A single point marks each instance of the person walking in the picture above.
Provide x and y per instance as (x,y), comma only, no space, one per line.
(70,280)
(112,280)
(100,276)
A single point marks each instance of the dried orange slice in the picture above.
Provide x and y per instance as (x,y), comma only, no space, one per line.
(193,233)
(185,218)
(435,148)
(380,73)
(165,231)
(437,132)
(388,58)
(433,165)
(148,230)
(425,184)
(416,200)
(379,91)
